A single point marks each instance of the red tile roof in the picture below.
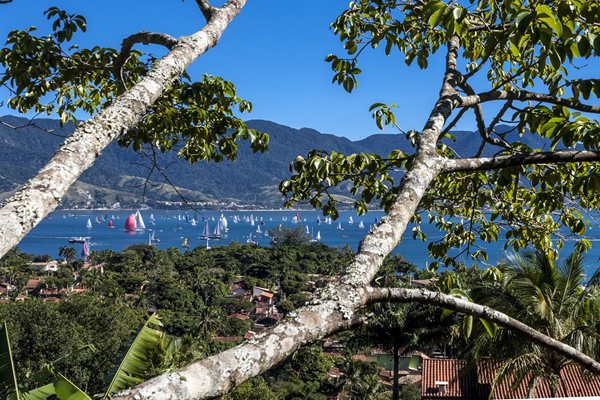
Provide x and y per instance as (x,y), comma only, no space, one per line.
(239,316)
(227,339)
(475,383)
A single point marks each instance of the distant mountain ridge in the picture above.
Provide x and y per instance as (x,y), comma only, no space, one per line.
(252,178)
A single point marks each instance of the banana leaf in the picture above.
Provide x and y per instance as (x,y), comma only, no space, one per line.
(47,373)
(40,393)
(131,365)
(66,390)
(8,379)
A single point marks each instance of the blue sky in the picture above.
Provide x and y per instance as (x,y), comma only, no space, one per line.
(273,52)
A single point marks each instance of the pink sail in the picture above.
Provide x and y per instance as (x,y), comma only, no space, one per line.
(84,252)
(130,223)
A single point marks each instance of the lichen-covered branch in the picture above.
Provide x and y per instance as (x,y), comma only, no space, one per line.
(403,295)
(490,163)
(335,306)
(205,8)
(469,101)
(143,37)
(20,213)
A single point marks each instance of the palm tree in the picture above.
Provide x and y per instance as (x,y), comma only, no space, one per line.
(68,253)
(549,297)
(209,321)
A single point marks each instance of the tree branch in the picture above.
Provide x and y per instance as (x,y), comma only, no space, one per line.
(489,163)
(402,295)
(470,101)
(206,9)
(143,37)
(40,196)
(335,305)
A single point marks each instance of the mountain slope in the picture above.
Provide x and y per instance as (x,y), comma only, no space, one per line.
(252,178)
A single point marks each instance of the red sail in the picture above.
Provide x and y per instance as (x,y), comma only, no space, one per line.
(130,223)
(110,224)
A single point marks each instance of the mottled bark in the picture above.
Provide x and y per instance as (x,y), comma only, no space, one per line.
(40,196)
(402,295)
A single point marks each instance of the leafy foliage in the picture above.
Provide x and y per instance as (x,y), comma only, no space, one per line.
(130,368)
(518,46)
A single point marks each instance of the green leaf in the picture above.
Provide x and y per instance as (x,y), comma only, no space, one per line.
(134,360)
(445,313)
(523,21)
(40,393)
(8,386)
(467,325)
(546,15)
(490,327)
(66,390)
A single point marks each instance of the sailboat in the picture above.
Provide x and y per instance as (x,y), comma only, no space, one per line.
(306,230)
(339,227)
(153,239)
(318,221)
(217,232)
(223,223)
(110,224)
(149,243)
(139,222)
(96,221)
(205,233)
(258,230)
(86,250)
(361,225)
(89,224)
(185,242)
(130,223)
(151,221)
(318,235)
(351,221)
(250,240)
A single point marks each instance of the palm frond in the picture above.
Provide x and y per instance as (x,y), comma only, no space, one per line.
(132,363)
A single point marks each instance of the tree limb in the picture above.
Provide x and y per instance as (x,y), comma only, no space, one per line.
(206,9)
(40,196)
(521,95)
(403,295)
(489,163)
(143,37)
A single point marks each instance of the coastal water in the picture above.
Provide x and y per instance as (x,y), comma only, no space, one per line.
(53,233)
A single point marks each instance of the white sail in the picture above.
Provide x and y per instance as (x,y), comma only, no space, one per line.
(258,230)
(318,235)
(89,223)
(339,227)
(361,225)
(139,221)
(351,221)
(205,232)
(250,240)
(223,222)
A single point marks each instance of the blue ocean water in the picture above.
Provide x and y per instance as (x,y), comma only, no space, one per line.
(53,233)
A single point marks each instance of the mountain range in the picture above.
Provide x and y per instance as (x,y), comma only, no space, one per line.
(119,173)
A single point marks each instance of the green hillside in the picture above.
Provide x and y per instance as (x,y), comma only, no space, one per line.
(119,173)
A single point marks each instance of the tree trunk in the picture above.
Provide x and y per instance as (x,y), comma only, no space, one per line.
(40,196)
(395,384)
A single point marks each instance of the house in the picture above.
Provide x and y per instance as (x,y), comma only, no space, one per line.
(50,266)
(453,379)
(239,316)
(32,284)
(257,291)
